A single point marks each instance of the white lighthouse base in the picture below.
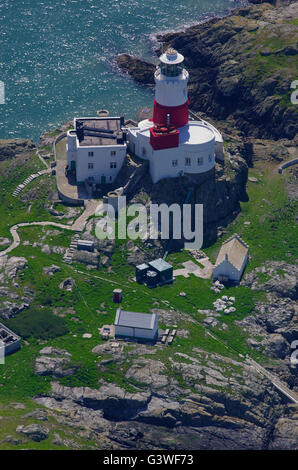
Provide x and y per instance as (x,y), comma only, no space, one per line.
(199,144)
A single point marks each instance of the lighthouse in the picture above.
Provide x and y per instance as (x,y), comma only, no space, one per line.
(174,144)
(171,101)
(171,80)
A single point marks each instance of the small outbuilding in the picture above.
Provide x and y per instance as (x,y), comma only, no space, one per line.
(136,325)
(231,261)
(9,341)
(141,272)
(117,296)
(163,269)
(86,245)
(155,273)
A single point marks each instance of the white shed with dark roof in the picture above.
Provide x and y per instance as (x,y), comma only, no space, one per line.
(136,325)
(232,260)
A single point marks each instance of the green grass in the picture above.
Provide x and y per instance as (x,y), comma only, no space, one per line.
(295,22)
(272,232)
(38,323)
(271,235)
(14,210)
(48,235)
(259,67)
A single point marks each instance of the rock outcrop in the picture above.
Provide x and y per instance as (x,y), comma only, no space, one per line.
(273,326)
(240,412)
(14,147)
(54,362)
(241,68)
(35,432)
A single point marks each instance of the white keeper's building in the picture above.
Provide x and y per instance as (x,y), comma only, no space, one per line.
(231,260)
(96,149)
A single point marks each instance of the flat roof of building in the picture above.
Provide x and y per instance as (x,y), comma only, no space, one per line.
(7,336)
(160,265)
(108,123)
(140,267)
(195,133)
(135,320)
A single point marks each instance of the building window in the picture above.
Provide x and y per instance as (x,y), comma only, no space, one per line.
(113,165)
(90,166)
(174,162)
(187,161)
(210,158)
(110,178)
(90,154)
(200,161)
(113,153)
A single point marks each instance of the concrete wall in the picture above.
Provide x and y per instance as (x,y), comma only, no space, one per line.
(12,347)
(124,331)
(161,161)
(136,332)
(101,160)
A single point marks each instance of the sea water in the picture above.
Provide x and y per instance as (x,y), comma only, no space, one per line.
(57,58)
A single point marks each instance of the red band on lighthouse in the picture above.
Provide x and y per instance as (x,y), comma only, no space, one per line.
(178,114)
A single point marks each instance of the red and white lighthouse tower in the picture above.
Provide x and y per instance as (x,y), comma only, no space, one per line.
(173,144)
(171,101)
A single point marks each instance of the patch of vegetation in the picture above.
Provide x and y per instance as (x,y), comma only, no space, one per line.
(263,277)
(38,323)
(28,206)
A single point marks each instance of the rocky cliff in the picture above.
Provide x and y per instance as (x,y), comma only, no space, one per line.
(241,411)
(241,68)
(14,147)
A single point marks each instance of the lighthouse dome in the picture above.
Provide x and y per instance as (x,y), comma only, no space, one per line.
(171,57)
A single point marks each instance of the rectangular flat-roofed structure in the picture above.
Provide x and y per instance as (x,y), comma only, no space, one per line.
(141,271)
(96,149)
(136,325)
(164,270)
(86,245)
(9,341)
(101,131)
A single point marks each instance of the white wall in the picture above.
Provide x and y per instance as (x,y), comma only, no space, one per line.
(101,159)
(171,91)
(228,270)
(71,148)
(161,164)
(135,332)
(124,331)
(101,162)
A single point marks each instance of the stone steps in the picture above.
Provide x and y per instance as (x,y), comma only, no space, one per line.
(28,180)
(72,247)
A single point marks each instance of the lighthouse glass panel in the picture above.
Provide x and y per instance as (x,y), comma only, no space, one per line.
(171,70)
